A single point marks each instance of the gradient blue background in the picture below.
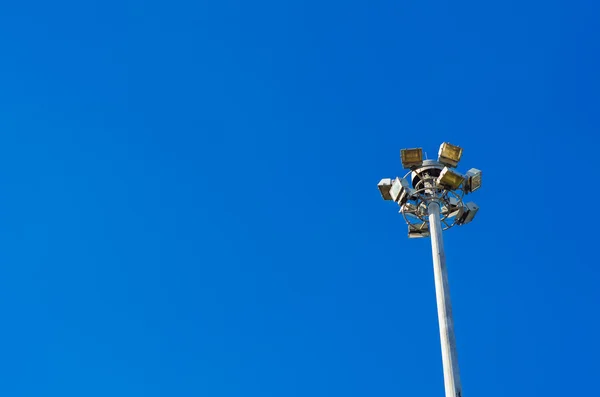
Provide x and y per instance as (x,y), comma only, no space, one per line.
(188,200)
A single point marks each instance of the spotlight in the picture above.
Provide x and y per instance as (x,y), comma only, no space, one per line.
(473,179)
(411,157)
(400,191)
(450,179)
(418,230)
(449,154)
(467,214)
(384,186)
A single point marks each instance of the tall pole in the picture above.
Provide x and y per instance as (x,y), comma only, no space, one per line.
(444,307)
(432,196)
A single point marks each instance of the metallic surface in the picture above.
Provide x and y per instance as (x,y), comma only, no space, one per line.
(384,188)
(449,154)
(411,157)
(470,210)
(473,178)
(431,206)
(444,307)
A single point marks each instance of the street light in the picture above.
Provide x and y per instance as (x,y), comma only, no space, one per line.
(432,202)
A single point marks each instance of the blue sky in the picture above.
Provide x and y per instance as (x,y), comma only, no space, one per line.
(188,200)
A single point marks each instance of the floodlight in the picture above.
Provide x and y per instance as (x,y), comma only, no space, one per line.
(449,154)
(451,208)
(384,186)
(450,179)
(418,230)
(468,213)
(396,188)
(400,191)
(411,157)
(473,180)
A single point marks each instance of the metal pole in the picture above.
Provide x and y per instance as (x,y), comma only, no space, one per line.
(444,307)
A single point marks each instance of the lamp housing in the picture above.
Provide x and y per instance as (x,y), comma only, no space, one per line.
(450,179)
(468,213)
(411,157)
(451,208)
(384,187)
(400,191)
(473,180)
(418,230)
(449,154)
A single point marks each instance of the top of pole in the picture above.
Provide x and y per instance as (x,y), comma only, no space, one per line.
(432,181)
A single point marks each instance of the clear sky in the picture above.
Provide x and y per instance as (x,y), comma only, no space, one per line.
(188,200)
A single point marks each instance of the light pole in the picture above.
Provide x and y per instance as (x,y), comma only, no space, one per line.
(430,202)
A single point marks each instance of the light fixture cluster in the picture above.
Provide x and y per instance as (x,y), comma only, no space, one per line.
(432,180)
(449,155)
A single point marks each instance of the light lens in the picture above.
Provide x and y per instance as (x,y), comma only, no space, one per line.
(449,154)
(474,180)
(450,179)
(411,157)
(396,189)
(400,191)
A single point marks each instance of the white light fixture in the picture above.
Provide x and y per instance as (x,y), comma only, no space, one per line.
(467,215)
(450,179)
(449,154)
(396,188)
(411,157)
(451,209)
(384,186)
(418,230)
(473,180)
(400,191)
